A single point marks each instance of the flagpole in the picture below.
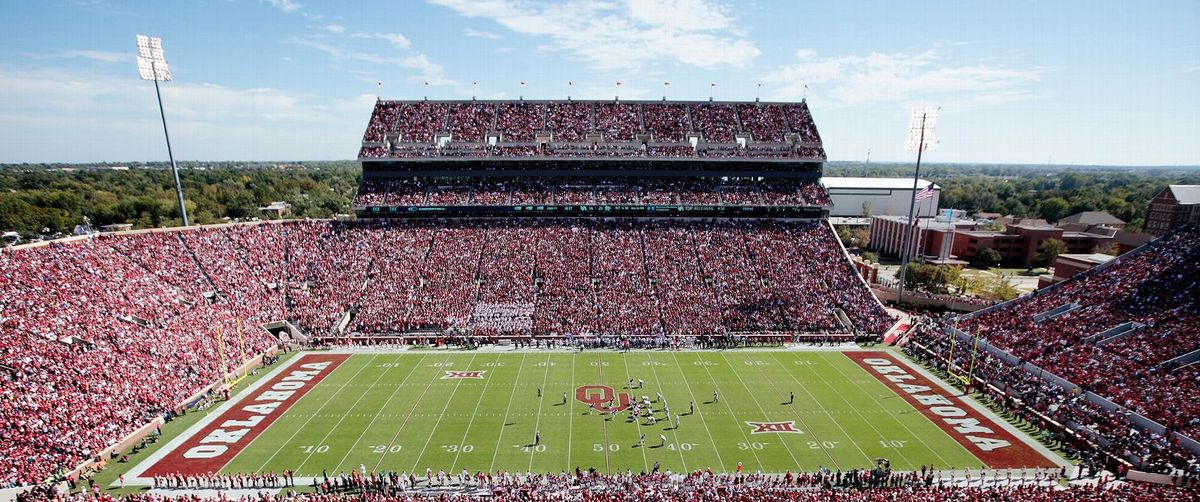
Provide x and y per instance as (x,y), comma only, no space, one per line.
(920,234)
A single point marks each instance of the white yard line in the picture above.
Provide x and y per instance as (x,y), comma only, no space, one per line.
(674,433)
(571,422)
(904,426)
(504,421)
(307,420)
(716,449)
(638,419)
(449,400)
(408,416)
(342,418)
(537,423)
(814,399)
(762,410)
(379,413)
(741,427)
(482,396)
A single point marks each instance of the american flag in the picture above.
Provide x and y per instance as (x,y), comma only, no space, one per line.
(924,193)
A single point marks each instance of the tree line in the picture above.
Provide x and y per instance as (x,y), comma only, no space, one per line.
(57,197)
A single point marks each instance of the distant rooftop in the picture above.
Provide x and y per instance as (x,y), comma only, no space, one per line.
(1093,218)
(1186,194)
(1092,258)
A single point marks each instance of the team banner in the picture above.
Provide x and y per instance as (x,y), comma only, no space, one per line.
(984,438)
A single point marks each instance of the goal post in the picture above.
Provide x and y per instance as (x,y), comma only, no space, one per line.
(963,377)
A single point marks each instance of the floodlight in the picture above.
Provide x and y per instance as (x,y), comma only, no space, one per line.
(152,65)
(921,138)
(922,125)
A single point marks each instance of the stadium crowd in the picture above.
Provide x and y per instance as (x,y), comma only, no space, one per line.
(1056,330)
(408,129)
(1155,289)
(875,485)
(579,277)
(591,190)
(101,336)
(161,315)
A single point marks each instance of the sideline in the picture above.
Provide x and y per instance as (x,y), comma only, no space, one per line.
(986,412)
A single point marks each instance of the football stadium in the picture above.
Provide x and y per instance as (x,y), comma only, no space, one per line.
(582,300)
(551,298)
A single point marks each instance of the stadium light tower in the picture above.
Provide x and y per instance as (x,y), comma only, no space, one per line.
(921,137)
(152,65)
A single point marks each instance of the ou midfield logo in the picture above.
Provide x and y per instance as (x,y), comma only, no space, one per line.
(767,427)
(602,398)
(463,374)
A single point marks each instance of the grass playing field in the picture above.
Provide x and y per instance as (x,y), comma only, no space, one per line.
(480,411)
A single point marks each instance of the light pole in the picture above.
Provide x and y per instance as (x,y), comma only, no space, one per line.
(921,137)
(152,65)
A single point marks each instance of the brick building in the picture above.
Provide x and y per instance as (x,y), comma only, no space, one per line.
(1018,243)
(1173,207)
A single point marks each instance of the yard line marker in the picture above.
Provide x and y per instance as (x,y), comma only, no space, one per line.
(675,355)
(674,433)
(537,423)
(637,420)
(407,417)
(439,419)
(604,423)
(380,412)
(571,422)
(482,395)
(812,398)
(740,426)
(844,400)
(343,416)
(500,436)
(302,426)
(738,374)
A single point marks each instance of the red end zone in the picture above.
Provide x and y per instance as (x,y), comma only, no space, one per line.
(217,443)
(989,442)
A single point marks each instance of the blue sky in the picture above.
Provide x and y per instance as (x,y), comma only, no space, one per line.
(1018,81)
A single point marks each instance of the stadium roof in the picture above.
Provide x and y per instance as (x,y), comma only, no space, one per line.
(833,182)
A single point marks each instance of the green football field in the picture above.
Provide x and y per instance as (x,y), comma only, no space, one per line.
(399,412)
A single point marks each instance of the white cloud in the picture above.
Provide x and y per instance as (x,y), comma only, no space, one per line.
(481,34)
(283,5)
(336,29)
(629,35)
(395,39)
(97,56)
(899,77)
(117,118)
(426,70)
